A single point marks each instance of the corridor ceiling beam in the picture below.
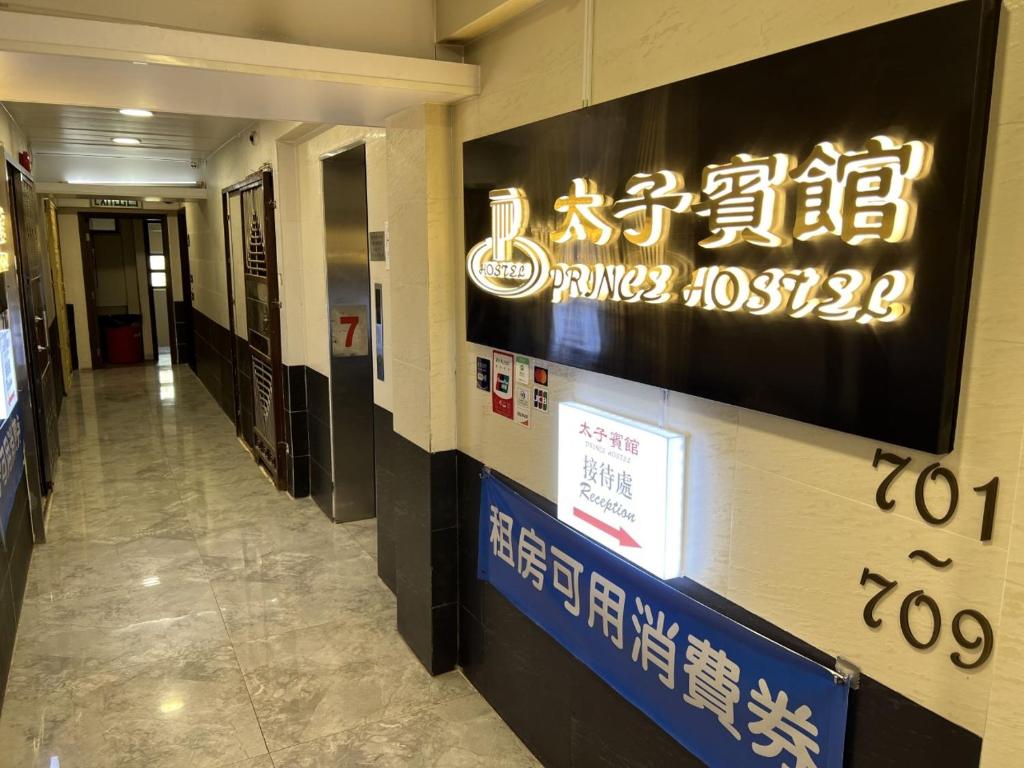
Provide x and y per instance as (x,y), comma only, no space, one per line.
(53,60)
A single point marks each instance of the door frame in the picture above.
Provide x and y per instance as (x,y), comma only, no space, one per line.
(264,177)
(186,287)
(172,339)
(89,278)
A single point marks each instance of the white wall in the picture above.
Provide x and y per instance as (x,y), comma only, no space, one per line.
(781,517)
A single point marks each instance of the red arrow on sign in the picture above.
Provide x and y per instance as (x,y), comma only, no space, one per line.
(619,534)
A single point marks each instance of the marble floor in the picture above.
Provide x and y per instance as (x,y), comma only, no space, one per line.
(184,613)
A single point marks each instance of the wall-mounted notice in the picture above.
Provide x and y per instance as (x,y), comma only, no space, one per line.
(728,694)
(503,383)
(620,482)
(522,394)
(483,374)
(8,377)
(376,243)
(776,241)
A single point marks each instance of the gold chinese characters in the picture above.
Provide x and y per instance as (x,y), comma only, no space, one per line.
(859,196)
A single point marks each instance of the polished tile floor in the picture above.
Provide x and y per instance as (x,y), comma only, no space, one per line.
(186,614)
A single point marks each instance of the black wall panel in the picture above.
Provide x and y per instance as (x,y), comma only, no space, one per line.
(15,557)
(386,474)
(296,429)
(318,423)
(212,343)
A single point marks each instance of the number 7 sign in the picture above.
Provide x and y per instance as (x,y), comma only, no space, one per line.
(349,331)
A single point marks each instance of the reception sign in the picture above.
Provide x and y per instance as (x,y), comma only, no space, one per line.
(794,234)
(621,482)
(732,697)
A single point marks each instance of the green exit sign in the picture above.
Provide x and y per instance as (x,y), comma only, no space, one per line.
(115,202)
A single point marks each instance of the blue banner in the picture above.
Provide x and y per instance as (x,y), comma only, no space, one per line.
(12,465)
(731,696)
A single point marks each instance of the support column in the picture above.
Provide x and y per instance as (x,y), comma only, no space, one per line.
(421,520)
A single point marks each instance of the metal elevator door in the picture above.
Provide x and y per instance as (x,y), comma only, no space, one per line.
(348,297)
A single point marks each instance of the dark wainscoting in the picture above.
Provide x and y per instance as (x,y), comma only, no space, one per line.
(14,562)
(296,428)
(73,337)
(386,476)
(183,332)
(57,361)
(318,409)
(417,540)
(569,717)
(212,343)
(243,355)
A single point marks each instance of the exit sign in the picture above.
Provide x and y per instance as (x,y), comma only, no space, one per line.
(115,202)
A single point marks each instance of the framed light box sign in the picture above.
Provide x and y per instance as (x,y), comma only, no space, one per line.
(794,234)
(621,482)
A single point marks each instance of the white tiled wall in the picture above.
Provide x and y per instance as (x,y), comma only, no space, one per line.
(781,515)
(420,193)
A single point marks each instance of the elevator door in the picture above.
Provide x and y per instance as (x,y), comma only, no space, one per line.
(42,377)
(348,297)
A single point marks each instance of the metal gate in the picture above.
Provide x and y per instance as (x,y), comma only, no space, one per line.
(262,325)
(34,285)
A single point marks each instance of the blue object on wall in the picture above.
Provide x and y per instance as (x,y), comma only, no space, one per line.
(731,696)
(12,465)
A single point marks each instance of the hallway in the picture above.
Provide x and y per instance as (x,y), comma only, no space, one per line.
(184,613)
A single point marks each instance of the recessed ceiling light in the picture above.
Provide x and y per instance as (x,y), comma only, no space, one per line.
(125,140)
(131,112)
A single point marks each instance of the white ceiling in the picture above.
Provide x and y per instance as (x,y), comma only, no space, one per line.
(58,129)
(102,65)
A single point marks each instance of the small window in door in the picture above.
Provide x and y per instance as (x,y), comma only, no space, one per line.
(157,257)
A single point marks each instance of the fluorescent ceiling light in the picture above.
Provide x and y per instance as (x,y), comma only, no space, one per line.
(125,140)
(132,112)
(132,183)
(152,199)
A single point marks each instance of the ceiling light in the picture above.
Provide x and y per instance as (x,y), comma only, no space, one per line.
(132,112)
(125,140)
(131,183)
(152,199)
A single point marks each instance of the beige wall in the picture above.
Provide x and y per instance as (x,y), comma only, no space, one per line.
(421,205)
(780,514)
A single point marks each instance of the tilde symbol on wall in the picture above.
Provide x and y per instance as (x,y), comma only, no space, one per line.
(496,264)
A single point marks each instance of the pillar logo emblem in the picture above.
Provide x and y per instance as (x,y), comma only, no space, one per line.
(508,263)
